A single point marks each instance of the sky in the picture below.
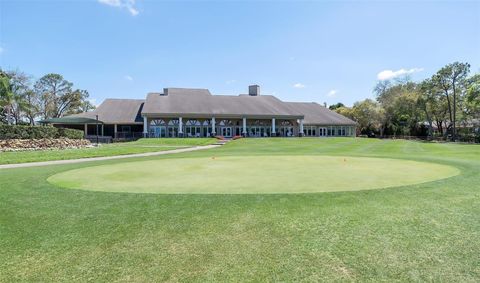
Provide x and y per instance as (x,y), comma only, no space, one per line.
(315,51)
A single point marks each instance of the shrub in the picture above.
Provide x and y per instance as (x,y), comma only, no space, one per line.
(70,133)
(37,132)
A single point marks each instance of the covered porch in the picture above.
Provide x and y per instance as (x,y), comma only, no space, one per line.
(94,128)
(197,127)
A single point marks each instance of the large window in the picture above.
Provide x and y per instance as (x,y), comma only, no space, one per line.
(193,128)
(258,131)
(309,131)
(157,128)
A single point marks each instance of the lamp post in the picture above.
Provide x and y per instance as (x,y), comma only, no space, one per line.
(97,127)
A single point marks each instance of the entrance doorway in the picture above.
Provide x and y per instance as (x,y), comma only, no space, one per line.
(226,131)
(159,131)
(322,132)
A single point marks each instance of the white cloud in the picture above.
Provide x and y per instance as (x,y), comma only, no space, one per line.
(128,78)
(115,3)
(332,93)
(129,5)
(230,82)
(299,85)
(389,74)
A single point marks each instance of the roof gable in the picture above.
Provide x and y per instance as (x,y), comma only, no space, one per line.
(316,114)
(116,111)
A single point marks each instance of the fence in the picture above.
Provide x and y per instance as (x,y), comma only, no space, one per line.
(128,136)
(101,139)
(460,138)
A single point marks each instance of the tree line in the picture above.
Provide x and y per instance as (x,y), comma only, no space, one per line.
(446,105)
(24,101)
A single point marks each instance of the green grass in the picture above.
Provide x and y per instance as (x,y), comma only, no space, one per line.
(244,174)
(423,232)
(139,146)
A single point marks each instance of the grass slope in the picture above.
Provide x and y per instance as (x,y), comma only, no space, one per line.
(424,232)
(139,146)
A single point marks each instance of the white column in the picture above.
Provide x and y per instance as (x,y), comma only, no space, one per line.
(301,127)
(214,131)
(115,131)
(145,127)
(86,129)
(244,131)
(180,125)
(103,129)
(273,126)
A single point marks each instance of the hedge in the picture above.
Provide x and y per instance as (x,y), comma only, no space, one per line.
(37,132)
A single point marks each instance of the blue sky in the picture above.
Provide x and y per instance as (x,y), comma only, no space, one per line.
(299,51)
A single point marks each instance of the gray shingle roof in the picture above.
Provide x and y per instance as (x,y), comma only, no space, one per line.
(117,111)
(201,102)
(316,114)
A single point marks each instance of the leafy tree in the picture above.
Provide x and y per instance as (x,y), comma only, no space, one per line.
(434,105)
(87,106)
(381,87)
(345,111)
(32,111)
(20,85)
(405,112)
(369,115)
(472,99)
(58,98)
(450,79)
(336,105)
(6,95)
(79,103)
(399,102)
(51,88)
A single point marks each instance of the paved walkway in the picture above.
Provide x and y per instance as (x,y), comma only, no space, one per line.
(70,161)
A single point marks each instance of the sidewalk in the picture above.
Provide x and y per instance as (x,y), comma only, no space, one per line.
(71,161)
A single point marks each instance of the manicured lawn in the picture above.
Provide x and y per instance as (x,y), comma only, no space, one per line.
(251,175)
(139,146)
(422,232)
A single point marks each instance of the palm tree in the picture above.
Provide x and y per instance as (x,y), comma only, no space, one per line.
(7,98)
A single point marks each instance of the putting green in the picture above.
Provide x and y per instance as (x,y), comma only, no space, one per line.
(252,174)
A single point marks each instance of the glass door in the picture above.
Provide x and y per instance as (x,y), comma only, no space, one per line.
(322,132)
(172,132)
(158,131)
(226,131)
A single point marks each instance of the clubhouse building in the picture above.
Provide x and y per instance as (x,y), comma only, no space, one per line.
(185,112)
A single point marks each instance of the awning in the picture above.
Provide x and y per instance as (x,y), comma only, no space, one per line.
(70,120)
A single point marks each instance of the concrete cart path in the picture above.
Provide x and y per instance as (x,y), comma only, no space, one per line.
(80,160)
